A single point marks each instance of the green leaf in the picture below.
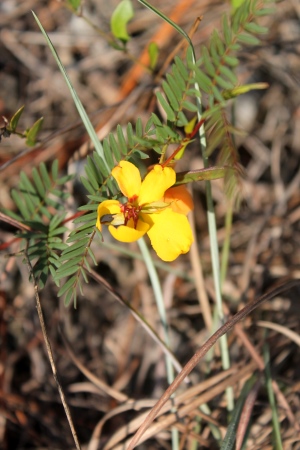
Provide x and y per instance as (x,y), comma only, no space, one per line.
(175,87)
(239,90)
(181,68)
(82,243)
(69,268)
(230,60)
(71,294)
(212,173)
(203,80)
(218,43)
(32,133)
(169,111)
(170,95)
(141,154)
(54,169)
(102,170)
(236,4)
(226,30)
(228,74)
(182,119)
(264,12)
(67,286)
(139,128)
(130,135)
(217,94)
(178,78)
(121,140)
(20,204)
(210,69)
(88,185)
(38,182)
(153,51)
(79,235)
(189,106)
(92,256)
(255,28)
(58,231)
(119,19)
(109,154)
(72,254)
(248,39)
(91,206)
(15,119)
(75,4)
(45,176)
(86,217)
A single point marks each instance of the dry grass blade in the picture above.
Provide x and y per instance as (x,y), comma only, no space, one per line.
(281,329)
(138,317)
(203,350)
(260,364)
(50,354)
(246,415)
(114,393)
(187,404)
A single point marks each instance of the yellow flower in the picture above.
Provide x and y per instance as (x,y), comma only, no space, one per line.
(152,207)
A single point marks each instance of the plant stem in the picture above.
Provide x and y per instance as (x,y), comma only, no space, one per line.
(226,245)
(212,229)
(163,318)
(50,353)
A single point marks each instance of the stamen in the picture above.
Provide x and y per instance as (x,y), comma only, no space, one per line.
(131,211)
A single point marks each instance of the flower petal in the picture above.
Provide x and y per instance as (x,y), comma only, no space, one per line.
(127,233)
(128,177)
(180,199)
(170,234)
(157,181)
(108,207)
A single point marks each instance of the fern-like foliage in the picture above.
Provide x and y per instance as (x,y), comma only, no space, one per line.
(132,145)
(41,207)
(212,75)
(214,71)
(40,202)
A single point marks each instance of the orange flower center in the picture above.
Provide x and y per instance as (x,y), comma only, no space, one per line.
(131,210)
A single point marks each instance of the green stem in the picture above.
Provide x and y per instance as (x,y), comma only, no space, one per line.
(163,318)
(226,245)
(212,229)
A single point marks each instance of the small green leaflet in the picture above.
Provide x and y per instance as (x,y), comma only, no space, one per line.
(15,119)
(211,173)
(153,54)
(31,134)
(119,19)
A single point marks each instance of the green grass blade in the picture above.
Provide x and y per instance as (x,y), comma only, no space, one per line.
(275,419)
(84,117)
(229,440)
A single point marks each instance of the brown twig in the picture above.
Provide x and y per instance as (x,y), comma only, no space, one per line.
(139,318)
(14,222)
(50,353)
(203,350)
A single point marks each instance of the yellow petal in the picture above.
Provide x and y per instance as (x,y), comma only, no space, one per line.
(180,199)
(107,207)
(170,234)
(128,177)
(126,233)
(158,180)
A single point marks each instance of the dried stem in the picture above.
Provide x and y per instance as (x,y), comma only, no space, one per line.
(203,350)
(49,351)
